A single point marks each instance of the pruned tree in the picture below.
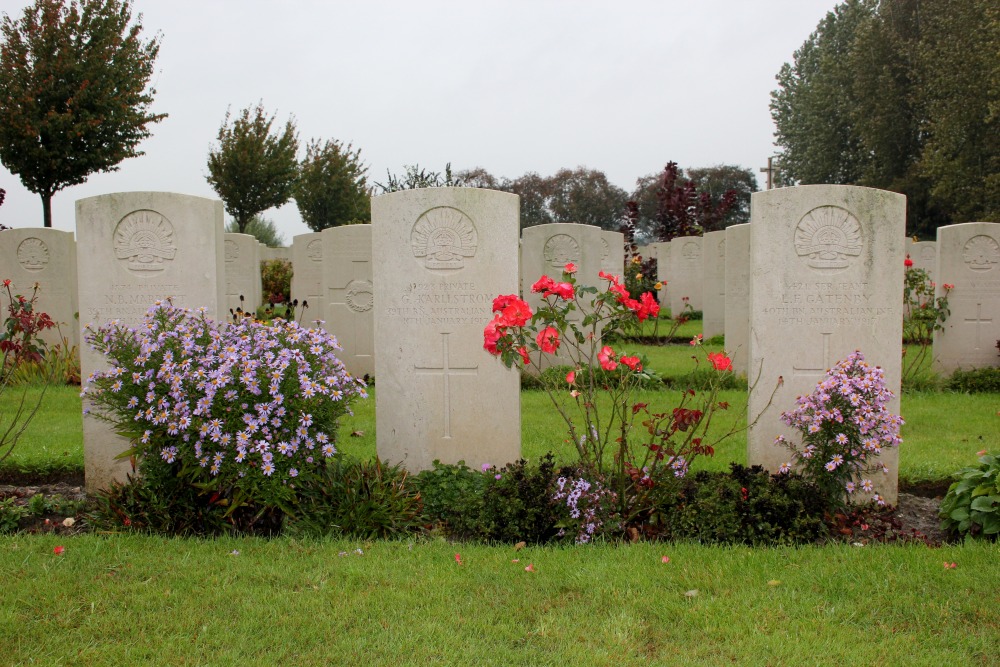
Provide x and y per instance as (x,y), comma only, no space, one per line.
(670,205)
(416,176)
(74,92)
(261,228)
(331,189)
(253,169)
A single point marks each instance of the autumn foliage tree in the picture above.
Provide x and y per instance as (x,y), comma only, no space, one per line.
(74,92)
(253,169)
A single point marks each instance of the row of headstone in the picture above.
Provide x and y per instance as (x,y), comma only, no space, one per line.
(822,277)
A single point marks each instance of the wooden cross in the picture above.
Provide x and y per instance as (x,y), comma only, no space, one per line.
(446,370)
(771,170)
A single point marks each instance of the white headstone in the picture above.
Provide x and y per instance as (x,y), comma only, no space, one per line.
(737,323)
(713,284)
(661,249)
(924,256)
(439,257)
(307,275)
(969,259)
(612,252)
(276,253)
(685,267)
(350,297)
(827,280)
(135,248)
(47,257)
(242,269)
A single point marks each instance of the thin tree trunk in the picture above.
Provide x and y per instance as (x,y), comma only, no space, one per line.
(47,208)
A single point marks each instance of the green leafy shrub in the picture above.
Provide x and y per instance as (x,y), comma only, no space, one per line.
(276,280)
(747,506)
(10,515)
(518,504)
(60,364)
(453,498)
(972,504)
(40,505)
(160,503)
(975,381)
(362,499)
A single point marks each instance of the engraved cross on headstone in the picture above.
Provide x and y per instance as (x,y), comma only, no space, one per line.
(798,371)
(979,322)
(446,370)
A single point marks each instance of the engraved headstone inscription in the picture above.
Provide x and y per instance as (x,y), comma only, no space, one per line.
(45,256)
(135,248)
(827,279)
(969,259)
(439,258)
(350,297)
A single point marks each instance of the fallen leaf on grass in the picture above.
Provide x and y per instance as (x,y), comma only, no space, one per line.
(530,568)
(458,559)
(520,545)
(58,551)
(950,566)
(774,582)
(69,521)
(357,434)
(665,559)
(515,560)
(692,593)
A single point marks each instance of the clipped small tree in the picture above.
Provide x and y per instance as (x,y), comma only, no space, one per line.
(261,229)
(253,169)
(332,189)
(73,92)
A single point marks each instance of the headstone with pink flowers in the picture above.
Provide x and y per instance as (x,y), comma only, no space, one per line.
(827,279)
(969,274)
(923,254)
(46,257)
(135,248)
(439,258)
(612,252)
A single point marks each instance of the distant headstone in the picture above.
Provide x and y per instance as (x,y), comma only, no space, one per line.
(350,297)
(242,272)
(969,259)
(713,284)
(612,252)
(685,267)
(737,325)
(924,256)
(135,248)
(827,280)
(439,257)
(307,274)
(47,257)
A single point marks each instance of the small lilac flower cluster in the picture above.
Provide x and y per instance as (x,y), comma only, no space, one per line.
(588,504)
(250,404)
(845,424)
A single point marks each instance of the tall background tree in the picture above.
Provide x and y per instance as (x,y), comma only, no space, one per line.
(253,169)
(901,95)
(74,92)
(332,189)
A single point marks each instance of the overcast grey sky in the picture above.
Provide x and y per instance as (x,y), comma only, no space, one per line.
(513,86)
